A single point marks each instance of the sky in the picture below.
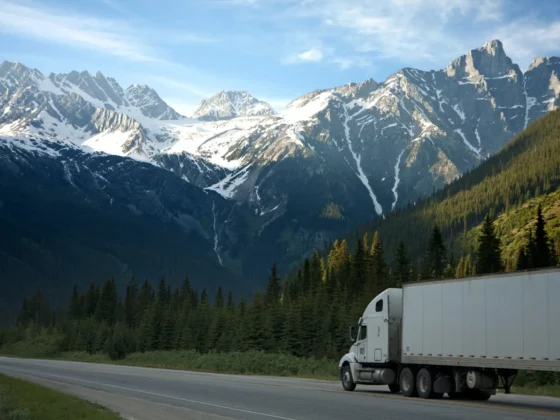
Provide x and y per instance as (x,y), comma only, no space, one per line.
(277,50)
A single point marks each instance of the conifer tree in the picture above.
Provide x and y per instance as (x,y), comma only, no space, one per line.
(359,269)
(401,273)
(75,309)
(107,306)
(273,289)
(130,303)
(543,254)
(380,269)
(92,300)
(435,260)
(316,272)
(489,254)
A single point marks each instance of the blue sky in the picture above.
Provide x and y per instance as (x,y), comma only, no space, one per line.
(275,49)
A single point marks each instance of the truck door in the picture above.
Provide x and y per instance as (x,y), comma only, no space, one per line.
(362,343)
(379,332)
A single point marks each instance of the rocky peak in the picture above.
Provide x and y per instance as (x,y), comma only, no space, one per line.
(489,61)
(226,105)
(149,102)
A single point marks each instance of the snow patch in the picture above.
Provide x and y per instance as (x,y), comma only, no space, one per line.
(216,243)
(397,180)
(470,146)
(357,159)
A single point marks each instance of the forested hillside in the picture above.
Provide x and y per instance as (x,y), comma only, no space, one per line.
(528,168)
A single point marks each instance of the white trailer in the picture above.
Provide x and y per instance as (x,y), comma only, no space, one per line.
(457,337)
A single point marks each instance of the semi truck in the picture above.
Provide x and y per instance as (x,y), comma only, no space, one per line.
(463,337)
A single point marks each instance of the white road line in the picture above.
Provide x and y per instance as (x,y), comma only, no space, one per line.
(170,397)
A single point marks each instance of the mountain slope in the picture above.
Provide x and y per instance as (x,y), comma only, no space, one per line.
(72,217)
(528,167)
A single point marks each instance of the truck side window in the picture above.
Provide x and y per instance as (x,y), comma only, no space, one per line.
(379,306)
(363,332)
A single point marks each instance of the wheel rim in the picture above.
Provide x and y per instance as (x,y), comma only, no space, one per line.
(346,378)
(422,383)
(406,382)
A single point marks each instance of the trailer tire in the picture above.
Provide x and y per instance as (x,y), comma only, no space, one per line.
(395,388)
(346,378)
(425,384)
(407,382)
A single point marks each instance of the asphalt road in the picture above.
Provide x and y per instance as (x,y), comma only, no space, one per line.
(153,394)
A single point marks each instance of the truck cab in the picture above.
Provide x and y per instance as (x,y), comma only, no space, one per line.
(376,344)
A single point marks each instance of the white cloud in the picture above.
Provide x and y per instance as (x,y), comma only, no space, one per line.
(529,38)
(108,36)
(310,55)
(103,35)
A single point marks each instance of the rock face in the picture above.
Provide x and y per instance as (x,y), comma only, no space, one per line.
(228,105)
(331,160)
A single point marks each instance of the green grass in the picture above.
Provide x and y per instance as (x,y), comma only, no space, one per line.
(21,400)
(544,390)
(242,363)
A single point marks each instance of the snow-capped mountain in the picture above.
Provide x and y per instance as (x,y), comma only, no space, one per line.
(228,105)
(332,159)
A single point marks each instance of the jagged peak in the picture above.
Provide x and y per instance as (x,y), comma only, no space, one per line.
(494,46)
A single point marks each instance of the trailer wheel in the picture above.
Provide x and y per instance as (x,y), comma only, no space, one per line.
(346,377)
(395,388)
(425,384)
(407,382)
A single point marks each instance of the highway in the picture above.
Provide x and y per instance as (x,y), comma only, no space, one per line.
(154,394)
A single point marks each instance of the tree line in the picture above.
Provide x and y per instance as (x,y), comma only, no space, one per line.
(305,314)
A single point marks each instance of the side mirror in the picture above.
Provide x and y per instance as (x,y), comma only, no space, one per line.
(353,333)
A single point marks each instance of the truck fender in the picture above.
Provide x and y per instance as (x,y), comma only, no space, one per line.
(352,360)
(349,358)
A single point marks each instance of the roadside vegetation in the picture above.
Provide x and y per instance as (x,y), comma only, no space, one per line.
(21,400)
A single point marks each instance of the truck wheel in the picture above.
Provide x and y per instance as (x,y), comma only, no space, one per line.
(425,384)
(346,377)
(407,382)
(394,388)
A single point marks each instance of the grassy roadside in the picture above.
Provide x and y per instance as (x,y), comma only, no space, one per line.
(242,363)
(543,391)
(21,400)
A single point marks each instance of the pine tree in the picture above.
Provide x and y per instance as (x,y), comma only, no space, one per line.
(435,260)
(75,309)
(107,306)
(162,295)
(273,289)
(359,269)
(306,285)
(542,257)
(316,272)
(92,300)
(130,303)
(468,268)
(380,269)
(489,255)
(401,273)
(522,260)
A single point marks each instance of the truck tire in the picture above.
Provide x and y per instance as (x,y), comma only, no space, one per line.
(395,388)
(346,378)
(407,383)
(425,384)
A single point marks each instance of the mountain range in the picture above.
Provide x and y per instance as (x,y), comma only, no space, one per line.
(243,185)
